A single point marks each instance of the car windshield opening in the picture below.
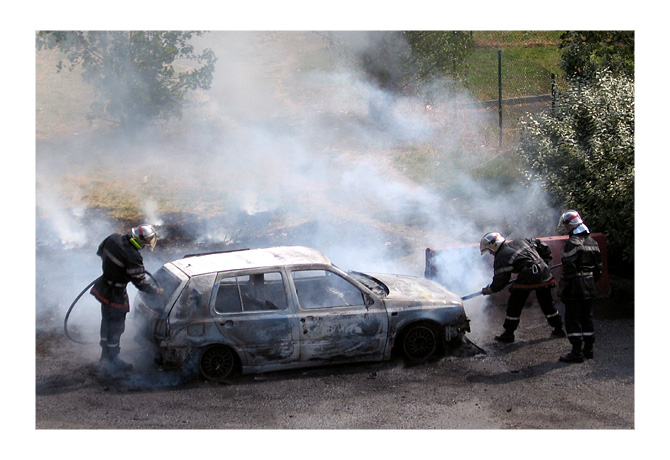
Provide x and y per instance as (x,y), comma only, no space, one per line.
(167,281)
(371,283)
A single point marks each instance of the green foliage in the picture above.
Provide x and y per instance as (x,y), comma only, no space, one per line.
(133,74)
(585,52)
(437,54)
(583,154)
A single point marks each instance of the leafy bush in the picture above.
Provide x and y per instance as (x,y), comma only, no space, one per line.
(583,153)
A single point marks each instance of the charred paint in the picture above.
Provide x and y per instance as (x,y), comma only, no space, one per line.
(357,319)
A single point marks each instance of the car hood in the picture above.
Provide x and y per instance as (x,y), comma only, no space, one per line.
(414,289)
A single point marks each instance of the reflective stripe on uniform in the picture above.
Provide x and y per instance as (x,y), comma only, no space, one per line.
(576,249)
(516,254)
(112,283)
(112,258)
(135,271)
(508,268)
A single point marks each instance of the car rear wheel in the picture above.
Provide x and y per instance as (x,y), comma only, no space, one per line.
(420,343)
(217,363)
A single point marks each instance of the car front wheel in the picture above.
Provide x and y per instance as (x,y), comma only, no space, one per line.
(217,363)
(420,343)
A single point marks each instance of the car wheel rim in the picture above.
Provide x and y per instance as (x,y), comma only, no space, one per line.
(420,343)
(217,362)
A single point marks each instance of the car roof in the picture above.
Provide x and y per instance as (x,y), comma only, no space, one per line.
(249,259)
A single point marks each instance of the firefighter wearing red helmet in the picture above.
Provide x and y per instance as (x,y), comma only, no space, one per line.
(529,258)
(582,267)
(122,263)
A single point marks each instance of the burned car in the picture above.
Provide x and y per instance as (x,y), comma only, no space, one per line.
(259,310)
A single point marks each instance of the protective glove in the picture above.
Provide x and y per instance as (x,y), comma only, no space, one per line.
(486,291)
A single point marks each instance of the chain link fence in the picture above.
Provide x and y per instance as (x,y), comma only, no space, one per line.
(509,84)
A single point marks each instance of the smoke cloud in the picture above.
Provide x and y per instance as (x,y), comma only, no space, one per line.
(287,147)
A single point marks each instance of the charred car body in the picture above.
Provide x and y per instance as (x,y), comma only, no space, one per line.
(261,310)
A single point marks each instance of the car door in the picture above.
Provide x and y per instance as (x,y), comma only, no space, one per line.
(336,320)
(253,313)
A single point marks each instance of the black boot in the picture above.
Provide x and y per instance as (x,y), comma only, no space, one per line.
(575,356)
(116,366)
(506,337)
(121,365)
(558,332)
(588,349)
(104,363)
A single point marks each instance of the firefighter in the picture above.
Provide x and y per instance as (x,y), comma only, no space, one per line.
(582,267)
(529,258)
(121,263)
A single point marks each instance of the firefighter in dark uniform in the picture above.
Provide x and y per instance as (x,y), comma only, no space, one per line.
(121,263)
(582,267)
(529,258)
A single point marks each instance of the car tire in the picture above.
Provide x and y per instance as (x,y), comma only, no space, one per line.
(420,342)
(217,363)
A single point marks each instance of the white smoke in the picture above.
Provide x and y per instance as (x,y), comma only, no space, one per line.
(284,145)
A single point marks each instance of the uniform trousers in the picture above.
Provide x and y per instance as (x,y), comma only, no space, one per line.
(579,321)
(517,300)
(112,325)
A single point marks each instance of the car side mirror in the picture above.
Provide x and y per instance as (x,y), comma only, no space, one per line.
(368,299)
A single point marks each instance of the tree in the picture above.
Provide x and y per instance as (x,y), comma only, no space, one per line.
(133,73)
(585,52)
(583,154)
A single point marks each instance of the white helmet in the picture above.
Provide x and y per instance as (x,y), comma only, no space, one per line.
(491,242)
(571,222)
(144,236)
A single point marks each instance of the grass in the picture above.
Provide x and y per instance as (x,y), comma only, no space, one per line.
(528,60)
(63,99)
(110,194)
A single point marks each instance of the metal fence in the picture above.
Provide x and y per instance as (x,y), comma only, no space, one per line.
(519,87)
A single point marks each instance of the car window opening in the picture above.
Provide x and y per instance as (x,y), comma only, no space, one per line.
(250,293)
(325,289)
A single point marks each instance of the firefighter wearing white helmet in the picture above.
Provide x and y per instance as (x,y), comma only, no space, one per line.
(122,263)
(144,236)
(571,222)
(491,242)
(529,258)
(582,267)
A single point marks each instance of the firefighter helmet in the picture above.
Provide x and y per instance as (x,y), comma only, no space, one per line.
(571,222)
(145,236)
(491,242)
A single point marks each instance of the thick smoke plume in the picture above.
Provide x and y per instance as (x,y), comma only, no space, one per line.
(288,147)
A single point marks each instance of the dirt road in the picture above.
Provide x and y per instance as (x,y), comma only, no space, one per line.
(516,386)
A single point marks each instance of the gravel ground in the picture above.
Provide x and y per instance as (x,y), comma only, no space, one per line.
(481,385)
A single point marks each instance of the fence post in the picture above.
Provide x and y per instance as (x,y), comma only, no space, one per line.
(553,92)
(500,98)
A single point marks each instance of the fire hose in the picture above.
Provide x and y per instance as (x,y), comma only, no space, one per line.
(67,315)
(478,293)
